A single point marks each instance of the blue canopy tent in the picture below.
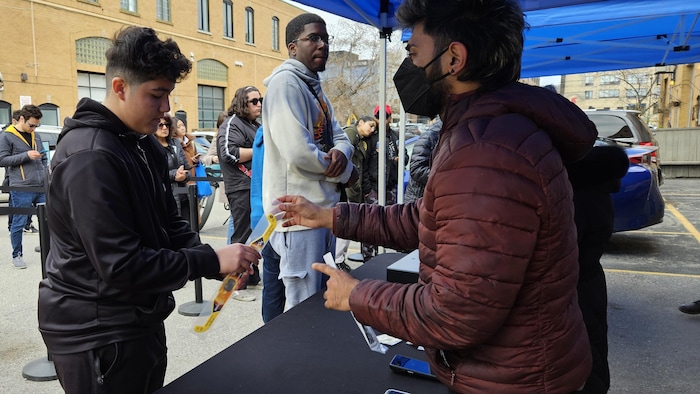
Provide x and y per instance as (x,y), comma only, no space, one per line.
(566,36)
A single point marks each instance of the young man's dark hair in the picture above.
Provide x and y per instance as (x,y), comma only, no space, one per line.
(15,115)
(30,111)
(119,248)
(296,26)
(138,55)
(493,36)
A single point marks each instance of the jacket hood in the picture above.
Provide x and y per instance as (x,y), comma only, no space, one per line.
(90,113)
(572,133)
(299,69)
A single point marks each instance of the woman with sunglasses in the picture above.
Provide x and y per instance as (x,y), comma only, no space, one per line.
(179,167)
(235,150)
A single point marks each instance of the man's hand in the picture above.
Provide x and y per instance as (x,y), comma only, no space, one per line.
(372,197)
(301,211)
(34,154)
(338,163)
(237,258)
(339,287)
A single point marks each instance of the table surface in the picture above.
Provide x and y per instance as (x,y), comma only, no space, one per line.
(308,349)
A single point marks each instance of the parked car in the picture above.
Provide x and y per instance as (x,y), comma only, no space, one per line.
(626,128)
(638,203)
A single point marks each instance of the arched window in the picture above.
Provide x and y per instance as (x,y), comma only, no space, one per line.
(5,113)
(91,50)
(275,33)
(249,25)
(49,114)
(212,69)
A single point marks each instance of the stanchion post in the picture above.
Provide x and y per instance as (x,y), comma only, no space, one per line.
(193,308)
(41,370)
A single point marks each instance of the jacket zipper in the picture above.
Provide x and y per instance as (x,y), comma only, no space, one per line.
(447,364)
(142,155)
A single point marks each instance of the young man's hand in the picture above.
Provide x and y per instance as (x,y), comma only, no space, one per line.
(300,211)
(338,163)
(339,286)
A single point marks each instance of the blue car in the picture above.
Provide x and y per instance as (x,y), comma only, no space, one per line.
(638,203)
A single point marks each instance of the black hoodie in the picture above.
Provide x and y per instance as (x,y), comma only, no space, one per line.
(118,246)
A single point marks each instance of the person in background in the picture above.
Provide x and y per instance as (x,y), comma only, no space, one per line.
(118,246)
(235,149)
(392,159)
(419,164)
(273,299)
(359,135)
(26,166)
(495,305)
(179,168)
(187,142)
(306,151)
(593,178)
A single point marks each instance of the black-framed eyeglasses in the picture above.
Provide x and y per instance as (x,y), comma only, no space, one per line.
(315,38)
(161,125)
(255,101)
(33,126)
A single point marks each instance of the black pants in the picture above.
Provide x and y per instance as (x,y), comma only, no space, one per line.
(594,223)
(136,366)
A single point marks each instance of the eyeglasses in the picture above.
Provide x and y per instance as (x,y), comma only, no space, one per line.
(315,38)
(33,126)
(255,101)
(160,125)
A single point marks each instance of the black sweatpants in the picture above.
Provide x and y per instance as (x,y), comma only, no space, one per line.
(135,366)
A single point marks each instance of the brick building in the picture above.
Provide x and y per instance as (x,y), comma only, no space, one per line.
(53,50)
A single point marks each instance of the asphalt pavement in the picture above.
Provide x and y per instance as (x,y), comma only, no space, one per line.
(653,347)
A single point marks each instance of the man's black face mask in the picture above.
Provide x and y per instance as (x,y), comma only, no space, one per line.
(414,88)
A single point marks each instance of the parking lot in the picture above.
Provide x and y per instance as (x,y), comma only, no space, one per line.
(653,347)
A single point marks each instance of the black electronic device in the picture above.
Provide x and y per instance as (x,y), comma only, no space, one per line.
(411,366)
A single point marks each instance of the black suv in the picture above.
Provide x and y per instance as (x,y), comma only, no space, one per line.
(626,128)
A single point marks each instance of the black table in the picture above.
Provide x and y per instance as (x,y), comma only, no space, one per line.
(308,349)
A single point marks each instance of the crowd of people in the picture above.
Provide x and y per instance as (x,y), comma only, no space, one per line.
(510,297)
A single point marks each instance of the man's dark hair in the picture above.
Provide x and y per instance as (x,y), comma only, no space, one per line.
(30,111)
(492,32)
(296,25)
(16,115)
(138,56)
(239,104)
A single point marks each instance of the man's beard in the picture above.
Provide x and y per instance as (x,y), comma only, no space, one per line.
(438,90)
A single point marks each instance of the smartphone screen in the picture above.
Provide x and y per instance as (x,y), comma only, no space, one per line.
(411,366)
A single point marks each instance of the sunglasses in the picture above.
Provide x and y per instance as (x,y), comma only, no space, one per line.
(33,126)
(255,101)
(163,125)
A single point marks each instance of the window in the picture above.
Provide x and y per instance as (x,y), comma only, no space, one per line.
(637,79)
(228,19)
(275,33)
(588,94)
(589,80)
(163,10)
(129,5)
(203,15)
(210,101)
(49,114)
(249,25)
(609,80)
(212,69)
(92,85)
(91,50)
(612,93)
(5,113)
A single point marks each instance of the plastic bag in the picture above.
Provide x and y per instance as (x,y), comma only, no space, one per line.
(203,187)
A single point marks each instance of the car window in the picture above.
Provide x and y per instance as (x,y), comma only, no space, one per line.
(611,126)
(51,138)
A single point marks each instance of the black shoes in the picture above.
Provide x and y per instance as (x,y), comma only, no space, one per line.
(692,308)
(344,267)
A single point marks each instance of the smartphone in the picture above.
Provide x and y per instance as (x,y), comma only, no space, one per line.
(395,391)
(411,366)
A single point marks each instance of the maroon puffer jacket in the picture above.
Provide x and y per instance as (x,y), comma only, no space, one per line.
(496,305)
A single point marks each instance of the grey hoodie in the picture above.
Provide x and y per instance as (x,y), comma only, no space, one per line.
(294,120)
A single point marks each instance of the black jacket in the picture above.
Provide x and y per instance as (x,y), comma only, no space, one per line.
(420,161)
(117,243)
(234,134)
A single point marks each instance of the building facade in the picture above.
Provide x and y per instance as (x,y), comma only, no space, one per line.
(53,50)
